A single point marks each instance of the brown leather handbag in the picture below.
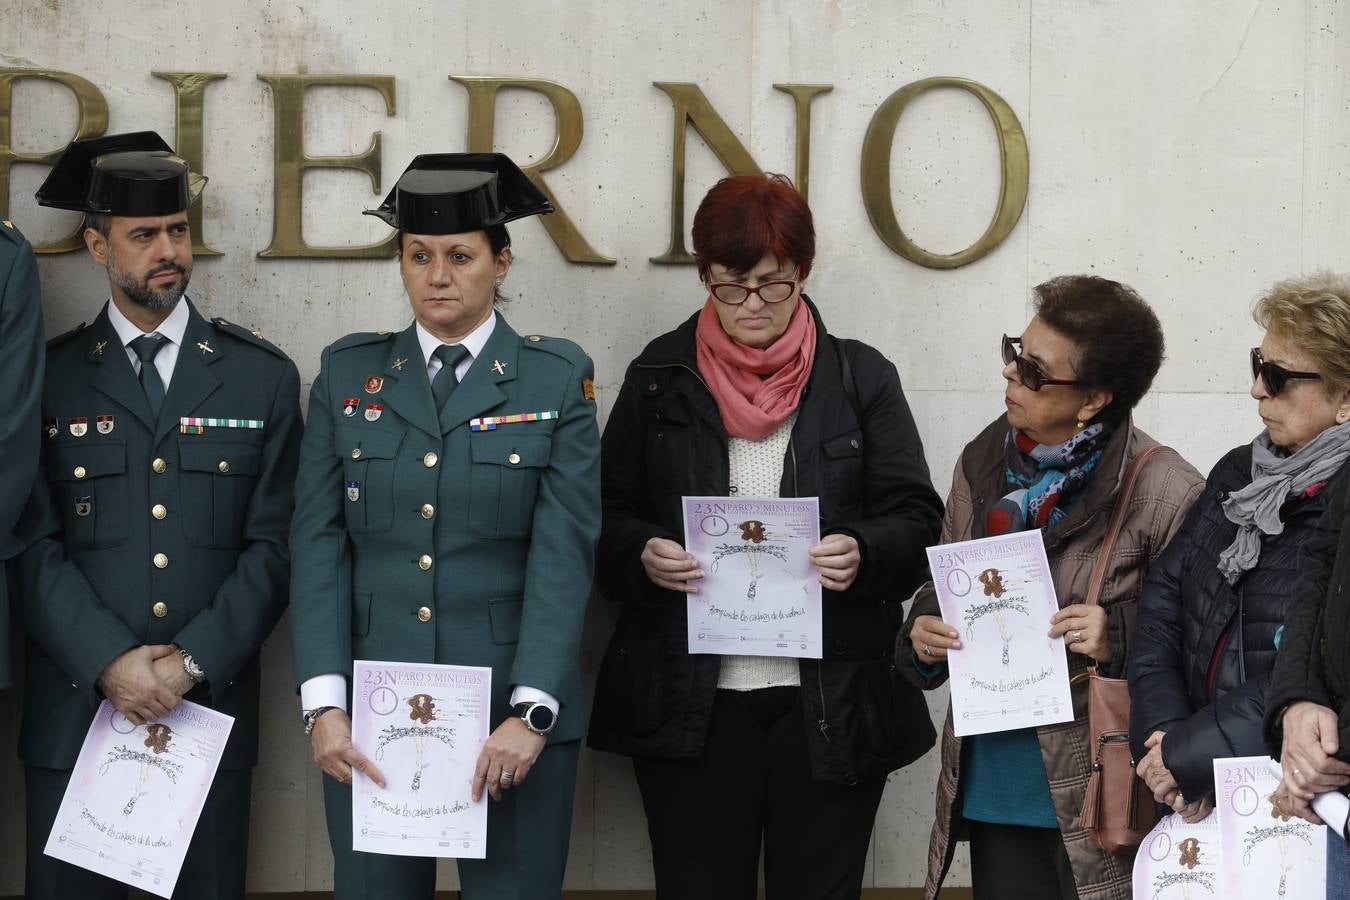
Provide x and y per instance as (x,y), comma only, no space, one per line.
(1118,809)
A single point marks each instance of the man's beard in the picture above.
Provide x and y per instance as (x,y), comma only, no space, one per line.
(140,292)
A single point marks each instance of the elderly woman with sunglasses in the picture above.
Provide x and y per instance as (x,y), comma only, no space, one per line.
(753,397)
(1053,462)
(1210,618)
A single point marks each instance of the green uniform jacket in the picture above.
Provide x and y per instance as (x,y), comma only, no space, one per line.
(417,539)
(21,354)
(149,533)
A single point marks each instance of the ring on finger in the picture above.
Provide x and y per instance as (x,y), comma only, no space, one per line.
(927,650)
(1077,637)
(507,777)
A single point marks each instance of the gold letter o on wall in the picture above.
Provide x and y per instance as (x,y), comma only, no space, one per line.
(876,173)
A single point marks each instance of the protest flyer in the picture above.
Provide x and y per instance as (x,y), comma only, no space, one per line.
(997,593)
(1264,856)
(1180,861)
(136,793)
(760,594)
(423,726)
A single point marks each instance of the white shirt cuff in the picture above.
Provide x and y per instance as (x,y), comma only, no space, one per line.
(324,690)
(522,694)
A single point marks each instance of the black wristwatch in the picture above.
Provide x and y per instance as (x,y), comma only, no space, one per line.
(537,717)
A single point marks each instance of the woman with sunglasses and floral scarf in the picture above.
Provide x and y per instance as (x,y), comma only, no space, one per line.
(1211,615)
(1053,462)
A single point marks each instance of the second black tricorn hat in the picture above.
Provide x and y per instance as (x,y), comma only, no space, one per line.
(454,193)
(134,174)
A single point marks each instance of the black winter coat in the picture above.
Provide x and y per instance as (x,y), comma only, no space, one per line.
(855,446)
(1314,660)
(1188,612)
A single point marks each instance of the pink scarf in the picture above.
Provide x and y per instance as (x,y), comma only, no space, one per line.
(756,390)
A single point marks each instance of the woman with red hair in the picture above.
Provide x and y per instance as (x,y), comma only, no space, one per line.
(752,397)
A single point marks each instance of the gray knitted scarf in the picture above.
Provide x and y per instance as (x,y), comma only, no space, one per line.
(1275,478)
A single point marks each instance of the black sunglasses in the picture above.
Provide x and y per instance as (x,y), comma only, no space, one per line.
(1276,377)
(1030,374)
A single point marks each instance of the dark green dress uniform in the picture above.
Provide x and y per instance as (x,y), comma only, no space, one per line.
(149,532)
(456,546)
(21,356)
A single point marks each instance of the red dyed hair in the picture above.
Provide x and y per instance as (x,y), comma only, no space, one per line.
(745,217)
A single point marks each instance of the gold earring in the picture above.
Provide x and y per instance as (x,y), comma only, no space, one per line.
(1081,425)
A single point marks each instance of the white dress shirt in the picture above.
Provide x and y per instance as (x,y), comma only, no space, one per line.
(173,328)
(331,689)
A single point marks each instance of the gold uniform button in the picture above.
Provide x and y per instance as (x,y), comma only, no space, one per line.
(159,465)
(424,614)
(159,510)
(223,466)
(160,609)
(356,453)
(79,472)
(514,459)
(430,460)
(161,561)
(534,339)
(424,563)
(428,510)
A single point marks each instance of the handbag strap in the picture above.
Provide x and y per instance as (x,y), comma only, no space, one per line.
(1097,580)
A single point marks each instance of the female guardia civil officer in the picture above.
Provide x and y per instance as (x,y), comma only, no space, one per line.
(418,538)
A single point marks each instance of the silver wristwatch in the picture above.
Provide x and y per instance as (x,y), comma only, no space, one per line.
(312,715)
(194,671)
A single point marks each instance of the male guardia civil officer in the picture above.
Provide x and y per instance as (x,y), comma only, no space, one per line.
(447,511)
(161,562)
(21,354)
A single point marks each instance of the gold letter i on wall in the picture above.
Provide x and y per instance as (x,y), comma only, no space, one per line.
(189,117)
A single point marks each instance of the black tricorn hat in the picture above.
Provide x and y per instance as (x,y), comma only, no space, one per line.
(121,175)
(453,193)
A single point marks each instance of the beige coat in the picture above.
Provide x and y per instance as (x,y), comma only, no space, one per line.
(1165,490)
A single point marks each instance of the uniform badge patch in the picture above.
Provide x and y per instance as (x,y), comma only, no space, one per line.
(374,383)
(53,427)
(349,406)
(374,411)
(588,388)
(84,506)
(79,427)
(104,424)
(353,491)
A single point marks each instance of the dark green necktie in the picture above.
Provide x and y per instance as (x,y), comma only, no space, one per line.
(145,347)
(443,385)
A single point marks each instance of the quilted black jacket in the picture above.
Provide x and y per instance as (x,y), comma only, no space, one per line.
(1190,617)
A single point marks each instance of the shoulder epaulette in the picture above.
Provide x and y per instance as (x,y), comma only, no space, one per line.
(251,337)
(62,338)
(8,230)
(557,346)
(360,338)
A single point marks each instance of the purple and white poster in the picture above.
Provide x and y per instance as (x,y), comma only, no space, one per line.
(423,726)
(760,594)
(136,793)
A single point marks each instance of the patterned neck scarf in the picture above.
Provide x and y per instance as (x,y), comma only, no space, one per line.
(1045,478)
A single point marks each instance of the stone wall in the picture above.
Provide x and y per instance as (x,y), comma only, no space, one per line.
(1197,151)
